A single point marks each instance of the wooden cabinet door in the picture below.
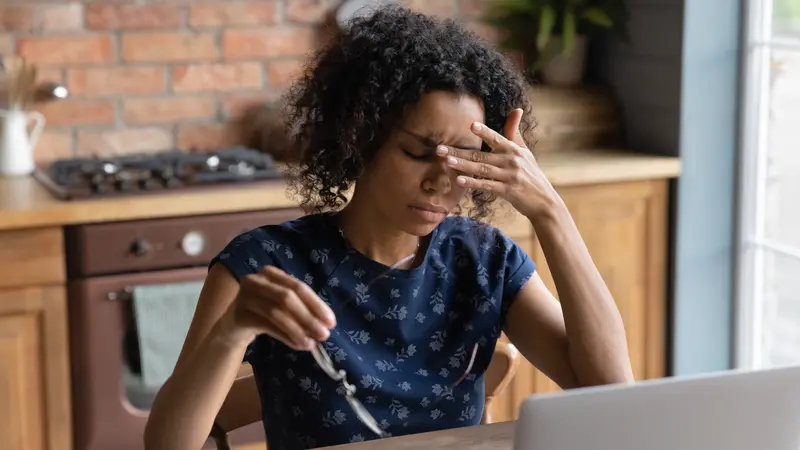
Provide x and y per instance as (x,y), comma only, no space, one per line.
(624,227)
(20,378)
(35,411)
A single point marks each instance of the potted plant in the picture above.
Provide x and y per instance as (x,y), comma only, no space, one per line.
(552,35)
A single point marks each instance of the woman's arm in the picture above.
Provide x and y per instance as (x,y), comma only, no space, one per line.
(186,405)
(581,340)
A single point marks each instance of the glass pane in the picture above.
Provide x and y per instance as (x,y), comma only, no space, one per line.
(786,18)
(780,336)
(780,329)
(782,214)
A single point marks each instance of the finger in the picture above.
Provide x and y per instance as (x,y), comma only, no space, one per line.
(476,167)
(287,302)
(476,156)
(493,139)
(485,185)
(511,129)
(286,328)
(272,320)
(312,301)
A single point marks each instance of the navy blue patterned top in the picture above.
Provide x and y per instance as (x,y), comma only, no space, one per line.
(403,338)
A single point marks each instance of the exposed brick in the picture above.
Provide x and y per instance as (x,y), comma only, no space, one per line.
(78,112)
(49,74)
(120,16)
(264,12)
(66,50)
(234,105)
(205,136)
(168,46)
(281,72)
(437,8)
(117,80)
(310,11)
(41,17)
(268,42)
(473,8)
(159,110)
(53,145)
(124,141)
(216,77)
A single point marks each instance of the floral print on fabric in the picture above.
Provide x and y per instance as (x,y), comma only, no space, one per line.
(404,338)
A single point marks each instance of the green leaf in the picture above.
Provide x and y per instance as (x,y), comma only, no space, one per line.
(547,21)
(569,33)
(598,17)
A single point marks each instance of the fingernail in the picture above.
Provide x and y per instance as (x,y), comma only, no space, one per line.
(308,343)
(451,160)
(476,126)
(330,318)
(322,332)
(441,150)
(461,180)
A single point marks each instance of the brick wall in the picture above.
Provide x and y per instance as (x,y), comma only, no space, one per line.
(147,75)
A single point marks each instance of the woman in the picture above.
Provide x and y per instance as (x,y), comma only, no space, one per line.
(407,299)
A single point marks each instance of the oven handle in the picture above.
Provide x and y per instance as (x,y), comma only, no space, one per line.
(124,294)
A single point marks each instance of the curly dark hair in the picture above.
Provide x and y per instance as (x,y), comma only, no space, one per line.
(358,86)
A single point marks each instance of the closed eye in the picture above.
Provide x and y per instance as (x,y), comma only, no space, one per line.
(416,157)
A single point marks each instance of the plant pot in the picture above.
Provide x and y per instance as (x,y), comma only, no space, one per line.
(564,70)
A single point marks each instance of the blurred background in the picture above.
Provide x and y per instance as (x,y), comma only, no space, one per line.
(138,137)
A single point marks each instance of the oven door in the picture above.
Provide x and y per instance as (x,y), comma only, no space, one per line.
(110,406)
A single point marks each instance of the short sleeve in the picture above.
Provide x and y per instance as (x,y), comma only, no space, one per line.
(519,268)
(244,256)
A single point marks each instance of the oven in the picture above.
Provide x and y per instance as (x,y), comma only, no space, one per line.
(108,263)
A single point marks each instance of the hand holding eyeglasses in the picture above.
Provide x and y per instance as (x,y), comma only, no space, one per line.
(277,304)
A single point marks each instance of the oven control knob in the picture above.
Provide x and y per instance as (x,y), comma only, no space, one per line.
(193,243)
(141,247)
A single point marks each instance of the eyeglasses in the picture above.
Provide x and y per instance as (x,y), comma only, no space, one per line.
(326,364)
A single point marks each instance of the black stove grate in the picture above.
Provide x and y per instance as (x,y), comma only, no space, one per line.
(90,177)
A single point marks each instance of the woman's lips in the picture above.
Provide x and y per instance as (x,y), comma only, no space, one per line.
(427,213)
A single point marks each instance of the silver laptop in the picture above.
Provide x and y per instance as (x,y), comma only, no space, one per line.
(734,410)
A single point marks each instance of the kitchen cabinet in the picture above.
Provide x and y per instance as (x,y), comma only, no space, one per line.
(34,369)
(624,227)
(35,409)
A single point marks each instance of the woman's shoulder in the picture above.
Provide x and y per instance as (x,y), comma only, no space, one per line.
(469,243)
(285,233)
(467,230)
(279,244)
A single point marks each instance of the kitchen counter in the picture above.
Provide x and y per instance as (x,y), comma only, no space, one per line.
(24,203)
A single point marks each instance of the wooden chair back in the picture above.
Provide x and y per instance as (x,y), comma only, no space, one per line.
(242,406)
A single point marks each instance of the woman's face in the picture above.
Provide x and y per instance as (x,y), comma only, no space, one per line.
(407,182)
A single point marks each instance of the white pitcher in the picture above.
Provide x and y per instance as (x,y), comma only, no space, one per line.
(16,143)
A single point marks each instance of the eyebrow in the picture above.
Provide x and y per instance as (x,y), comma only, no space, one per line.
(427,140)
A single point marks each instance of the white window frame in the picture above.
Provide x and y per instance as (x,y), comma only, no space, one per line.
(752,241)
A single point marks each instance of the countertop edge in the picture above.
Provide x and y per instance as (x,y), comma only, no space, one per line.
(25,204)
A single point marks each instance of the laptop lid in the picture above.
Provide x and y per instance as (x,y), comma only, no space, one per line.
(733,410)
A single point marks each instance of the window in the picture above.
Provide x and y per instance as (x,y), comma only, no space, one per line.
(768,294)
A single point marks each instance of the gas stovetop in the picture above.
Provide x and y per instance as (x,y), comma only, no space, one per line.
(90,177)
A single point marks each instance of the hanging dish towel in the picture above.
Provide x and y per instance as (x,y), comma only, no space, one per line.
(163,313)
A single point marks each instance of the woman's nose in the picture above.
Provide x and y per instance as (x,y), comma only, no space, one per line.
(439,179)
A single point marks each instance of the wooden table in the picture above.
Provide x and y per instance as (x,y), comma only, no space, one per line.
(497,436)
